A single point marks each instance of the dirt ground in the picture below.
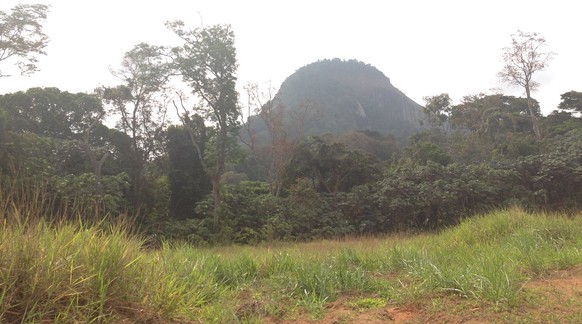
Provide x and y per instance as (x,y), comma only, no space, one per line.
(555,298)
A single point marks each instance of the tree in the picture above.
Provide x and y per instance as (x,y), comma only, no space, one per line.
(207,62)
(560,122)
(187,180)
(423,152)
(522,59)
(492,114)
(56,138)
(97,155)
(383,147)
(332,167)
(21,36)
(275,154)
(438,111)
(571,101)
(139,103)
(492,126)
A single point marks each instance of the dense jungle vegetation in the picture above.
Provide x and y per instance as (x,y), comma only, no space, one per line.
(212,178)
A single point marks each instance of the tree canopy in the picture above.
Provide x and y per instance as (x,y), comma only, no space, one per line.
(22,37)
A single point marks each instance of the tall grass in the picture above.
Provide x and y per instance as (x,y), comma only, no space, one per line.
(51,272)
(73,272)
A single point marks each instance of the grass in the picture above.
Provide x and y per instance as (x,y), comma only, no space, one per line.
(71,272)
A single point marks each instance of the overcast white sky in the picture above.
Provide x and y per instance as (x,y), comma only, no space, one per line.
(425,47)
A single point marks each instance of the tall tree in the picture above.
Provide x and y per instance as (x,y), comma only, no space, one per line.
(526,55)
(140,104)
(22,37)
(207,62)
(438,111)
(571,101)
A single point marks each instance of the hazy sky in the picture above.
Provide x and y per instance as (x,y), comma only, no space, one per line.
(425,47)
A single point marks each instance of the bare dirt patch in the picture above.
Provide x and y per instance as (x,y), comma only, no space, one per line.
(557,297)
(565,282)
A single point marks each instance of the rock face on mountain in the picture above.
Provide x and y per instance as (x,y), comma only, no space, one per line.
(337,96)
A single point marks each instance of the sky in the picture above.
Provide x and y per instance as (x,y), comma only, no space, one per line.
(425,47)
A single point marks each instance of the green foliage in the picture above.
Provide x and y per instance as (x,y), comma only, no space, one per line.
(482,128)
(331,166)
(81,190)
(493,115)
(313,214)
(43,146)
(361,211)
(410,195)
(188,181)
(555,177)
(423,152)
(3,136)
(383,147)
(438,109)
(559,123)
(571,101)
(433,195)
(485,155)
(249,214)
(50,112)
(209,50)
(22,36)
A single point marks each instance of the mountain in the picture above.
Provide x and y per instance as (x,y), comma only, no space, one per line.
(338,96)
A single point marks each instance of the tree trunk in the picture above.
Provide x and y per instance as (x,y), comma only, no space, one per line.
(220,161)
(216,198)
(534,119)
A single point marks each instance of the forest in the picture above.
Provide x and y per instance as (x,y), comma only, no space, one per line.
(210,179)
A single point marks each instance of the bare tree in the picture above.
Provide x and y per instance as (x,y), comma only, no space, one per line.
(525,56)
(274,155)
(274,151)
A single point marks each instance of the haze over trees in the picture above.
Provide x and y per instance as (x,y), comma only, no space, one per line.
(337,150)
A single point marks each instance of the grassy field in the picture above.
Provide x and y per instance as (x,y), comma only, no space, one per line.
(507,266)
